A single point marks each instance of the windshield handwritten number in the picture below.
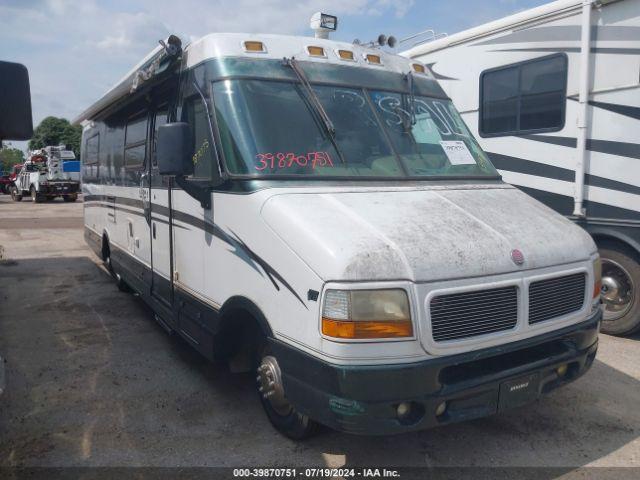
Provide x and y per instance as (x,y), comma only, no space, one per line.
(288,160)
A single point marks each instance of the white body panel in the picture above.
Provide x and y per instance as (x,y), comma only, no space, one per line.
(546,162)
(469,244)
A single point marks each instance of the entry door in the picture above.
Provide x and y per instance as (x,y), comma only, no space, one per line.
(160,208)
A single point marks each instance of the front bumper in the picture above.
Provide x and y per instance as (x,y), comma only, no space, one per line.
(364,399)
(60,188)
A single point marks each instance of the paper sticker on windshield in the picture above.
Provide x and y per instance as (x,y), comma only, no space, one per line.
(457,152)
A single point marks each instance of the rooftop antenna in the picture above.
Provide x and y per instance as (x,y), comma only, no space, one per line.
(323,24)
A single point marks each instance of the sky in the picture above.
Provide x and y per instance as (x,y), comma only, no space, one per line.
(76,50)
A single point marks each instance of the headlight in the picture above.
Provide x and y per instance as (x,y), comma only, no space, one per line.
(597,277)
(358,314)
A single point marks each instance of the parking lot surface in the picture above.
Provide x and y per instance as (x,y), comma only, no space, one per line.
(92,380)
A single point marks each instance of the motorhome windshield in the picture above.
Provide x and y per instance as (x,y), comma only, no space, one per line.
(268,128)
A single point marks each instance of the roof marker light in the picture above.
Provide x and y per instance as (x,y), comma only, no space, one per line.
(346,55)
(418,68)
(254,46)
(315,51)
(373,59)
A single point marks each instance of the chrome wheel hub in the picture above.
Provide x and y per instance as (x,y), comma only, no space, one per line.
(610,289)
(618,290)
(270,385)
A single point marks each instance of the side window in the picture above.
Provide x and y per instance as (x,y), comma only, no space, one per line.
(135,141)
(92,149)
(162,114)
(524,98)
(195,113)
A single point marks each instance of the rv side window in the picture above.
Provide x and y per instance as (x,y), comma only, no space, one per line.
(195,114)
(91,150)
(135,142)
(162,114)
(524,98)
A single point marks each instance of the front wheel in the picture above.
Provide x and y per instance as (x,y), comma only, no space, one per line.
(16,196)
(282,415)
(620,292)
(120,283)
(35,196)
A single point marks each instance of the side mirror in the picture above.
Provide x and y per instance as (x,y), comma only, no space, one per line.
(15,102)
(174,149)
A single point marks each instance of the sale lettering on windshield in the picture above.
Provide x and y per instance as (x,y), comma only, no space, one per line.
(281,160)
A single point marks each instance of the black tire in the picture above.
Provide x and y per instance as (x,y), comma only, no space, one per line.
(106,257)
(70,198)
(15,195)
(291,424)
(624,264)
(35,196)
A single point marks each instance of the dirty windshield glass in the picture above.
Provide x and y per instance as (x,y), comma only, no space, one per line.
(430,136)
(269,128)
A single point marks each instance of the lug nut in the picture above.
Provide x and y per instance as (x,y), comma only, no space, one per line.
(403,409)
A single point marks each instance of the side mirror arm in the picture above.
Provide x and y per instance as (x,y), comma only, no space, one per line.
(200,193)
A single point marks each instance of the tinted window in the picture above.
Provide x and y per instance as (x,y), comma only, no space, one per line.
(195,113)
(134,156)
(500,95)
(135,141)
(136,130)
(161,118)
(526,97)
(92,149)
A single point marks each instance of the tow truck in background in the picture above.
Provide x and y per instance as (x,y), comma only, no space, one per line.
(7,179)
(48,173)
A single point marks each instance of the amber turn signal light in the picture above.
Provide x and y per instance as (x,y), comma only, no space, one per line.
(418,68)
(366,329)
(597,277)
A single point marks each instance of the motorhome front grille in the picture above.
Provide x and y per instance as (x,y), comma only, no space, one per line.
(469,314)
(556,297)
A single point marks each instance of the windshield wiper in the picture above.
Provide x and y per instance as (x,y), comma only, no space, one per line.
(315,103)
(412,97)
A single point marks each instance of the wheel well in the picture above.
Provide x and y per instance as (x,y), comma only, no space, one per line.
(105,246)
(242,327)
(613,243)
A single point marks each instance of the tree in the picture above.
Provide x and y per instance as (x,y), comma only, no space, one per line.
(9,156)
(56,131)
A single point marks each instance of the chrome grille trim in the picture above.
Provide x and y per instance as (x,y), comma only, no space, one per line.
(556,297)
(470,314)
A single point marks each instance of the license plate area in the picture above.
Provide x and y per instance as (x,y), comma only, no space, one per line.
(519,391)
